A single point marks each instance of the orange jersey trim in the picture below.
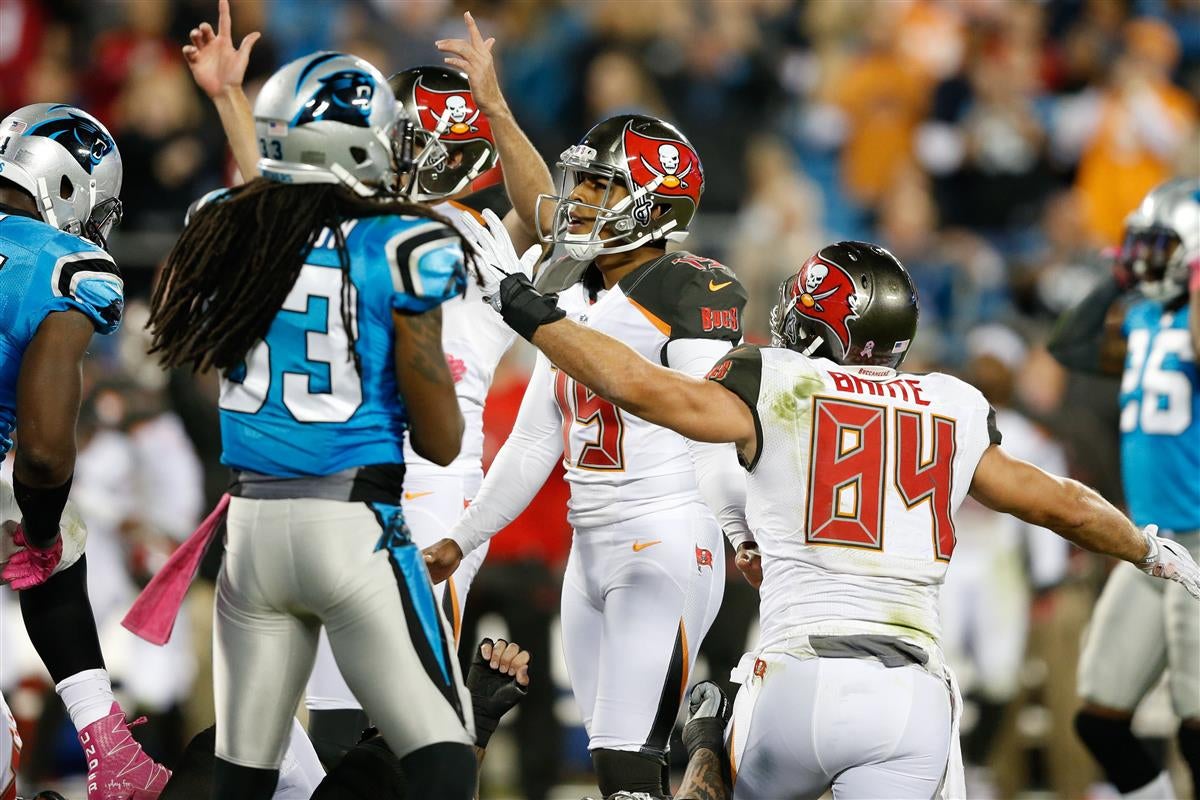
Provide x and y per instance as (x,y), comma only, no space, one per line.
(478,217)
(663,327)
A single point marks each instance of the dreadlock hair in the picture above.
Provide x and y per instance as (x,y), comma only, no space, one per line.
(238,258)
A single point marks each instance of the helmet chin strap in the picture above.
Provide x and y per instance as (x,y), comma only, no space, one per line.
(47,204)
(343,175)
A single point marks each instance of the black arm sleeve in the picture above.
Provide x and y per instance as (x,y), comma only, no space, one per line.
(41,511)
(1078,338)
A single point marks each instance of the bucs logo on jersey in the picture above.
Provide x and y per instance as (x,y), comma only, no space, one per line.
(345,96)
(454,113)
(826,292)
(86,143)
(663,166)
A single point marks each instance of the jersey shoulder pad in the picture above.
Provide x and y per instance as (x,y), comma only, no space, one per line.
(740,371)
(207,199)
(969,396)
(694,297)
(84,278)
(493,197)
(424,259)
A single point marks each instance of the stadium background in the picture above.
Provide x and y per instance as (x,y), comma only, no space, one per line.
(994,145)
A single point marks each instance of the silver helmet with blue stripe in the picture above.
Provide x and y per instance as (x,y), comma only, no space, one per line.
(67,160)
(1162,239)
(328,118)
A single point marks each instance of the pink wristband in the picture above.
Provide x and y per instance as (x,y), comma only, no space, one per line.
(1194,280)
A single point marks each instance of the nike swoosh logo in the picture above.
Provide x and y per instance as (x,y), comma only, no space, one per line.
(713,286)
(415,495)
(640,546)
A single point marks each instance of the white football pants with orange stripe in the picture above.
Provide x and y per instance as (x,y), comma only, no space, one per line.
(10,753)
(801,727)
(432,504)
(638,598)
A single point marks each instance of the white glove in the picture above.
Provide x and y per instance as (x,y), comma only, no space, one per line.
(1168,559)
(497,257)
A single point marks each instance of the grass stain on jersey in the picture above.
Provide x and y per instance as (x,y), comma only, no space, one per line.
(791,406)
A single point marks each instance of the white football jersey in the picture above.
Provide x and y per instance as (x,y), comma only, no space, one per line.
(853,491)
(474,338)
(619,466)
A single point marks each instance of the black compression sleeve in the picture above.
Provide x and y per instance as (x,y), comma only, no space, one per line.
(1077,340)
(41,510)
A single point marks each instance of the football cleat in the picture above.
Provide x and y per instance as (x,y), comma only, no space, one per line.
(118,767)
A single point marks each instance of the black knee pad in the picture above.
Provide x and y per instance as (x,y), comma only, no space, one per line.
(233,782)
(443,770)
(1125,761)
(622,770)
(335,732)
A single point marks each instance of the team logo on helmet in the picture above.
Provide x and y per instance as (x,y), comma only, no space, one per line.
(345,96)
(663,166)
(454,112)
(826,292)
(82,138)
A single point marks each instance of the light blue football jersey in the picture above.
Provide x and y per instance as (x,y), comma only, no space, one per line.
(298,407)
(44,270)
(1160,419)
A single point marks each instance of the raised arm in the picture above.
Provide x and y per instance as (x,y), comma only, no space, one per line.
(525,172)
(435,421)
(218,69)
(49,390)
(1088,337)
(1077,513)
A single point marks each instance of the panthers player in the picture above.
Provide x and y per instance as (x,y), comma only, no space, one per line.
(60,177)
(645,575)
(855,474)
(1151,338)
(456,155)
(326,327)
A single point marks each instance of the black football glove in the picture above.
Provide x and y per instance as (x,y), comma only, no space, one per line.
(492,695)
(523,307)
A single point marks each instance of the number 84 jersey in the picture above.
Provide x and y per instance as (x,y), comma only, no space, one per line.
(1160,419)
(854,487)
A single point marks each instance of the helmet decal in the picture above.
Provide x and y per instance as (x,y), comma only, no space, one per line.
(455,112)
(81,137)
(345,96)
(825,292)
(663,166)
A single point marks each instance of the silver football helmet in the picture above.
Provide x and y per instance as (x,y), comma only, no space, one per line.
(67,160)
(1162,238)
(329,118)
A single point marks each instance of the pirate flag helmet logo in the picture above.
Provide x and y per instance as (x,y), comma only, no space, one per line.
(450,115)
(851,302)
(663,166)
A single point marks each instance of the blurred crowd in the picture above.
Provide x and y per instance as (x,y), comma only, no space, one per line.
(994,146)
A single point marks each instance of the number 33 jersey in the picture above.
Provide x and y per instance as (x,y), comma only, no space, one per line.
(852,494)
(1160,419)
(298,406)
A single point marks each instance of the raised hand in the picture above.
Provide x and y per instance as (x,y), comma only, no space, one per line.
(216,65)
(473,56)
(497,258)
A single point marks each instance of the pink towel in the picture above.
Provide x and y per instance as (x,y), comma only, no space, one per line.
(153,614)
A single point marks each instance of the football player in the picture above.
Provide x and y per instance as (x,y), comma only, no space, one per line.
(1150,338)
(646,571)
(450,129)
(855,474)
(60,177)
(326,327)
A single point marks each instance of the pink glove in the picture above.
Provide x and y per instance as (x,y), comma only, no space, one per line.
(30,567)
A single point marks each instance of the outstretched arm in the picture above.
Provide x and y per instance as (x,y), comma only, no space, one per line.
(1079,514)
(218,69)
(525,172)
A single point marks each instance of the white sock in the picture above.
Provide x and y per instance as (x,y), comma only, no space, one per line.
(1158,789)
(88,696)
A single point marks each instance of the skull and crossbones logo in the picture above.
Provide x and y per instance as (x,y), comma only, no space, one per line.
(669,175)
(459,114)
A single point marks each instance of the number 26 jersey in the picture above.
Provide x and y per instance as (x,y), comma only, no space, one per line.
(852,494)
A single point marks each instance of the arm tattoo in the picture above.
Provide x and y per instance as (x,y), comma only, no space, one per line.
(426,357)
(704,779)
